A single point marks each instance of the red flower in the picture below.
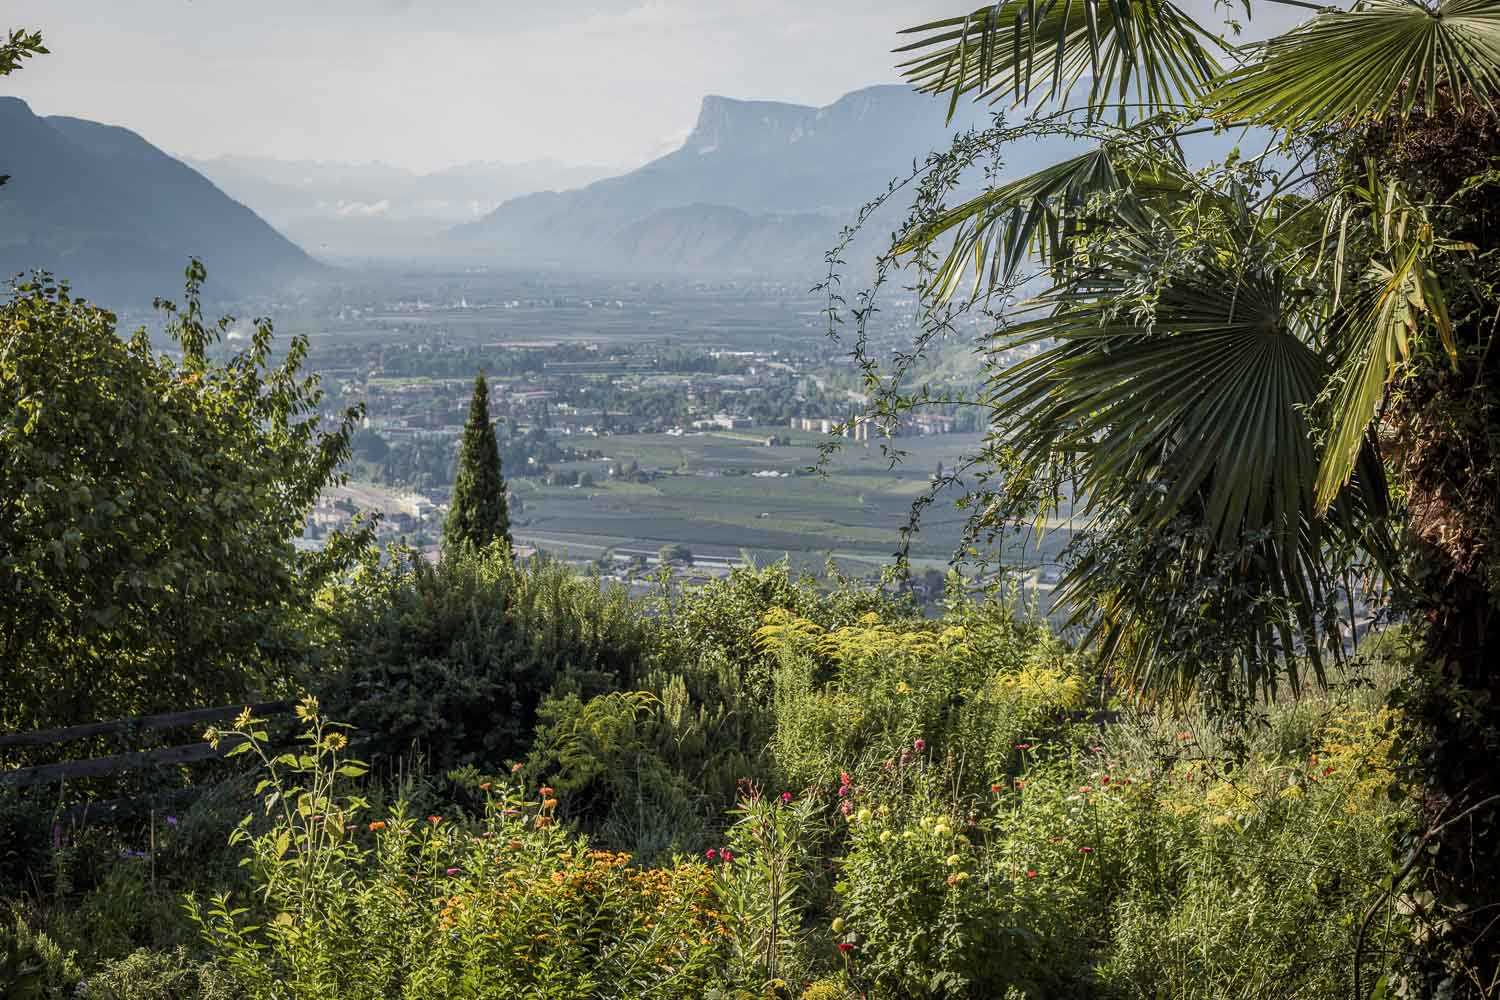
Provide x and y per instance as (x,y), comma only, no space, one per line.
(1023,746)
(711,854)
(1104,780)
(919,745)
(727,856)
(786,798)
(1085,850)
(1020,783)
(844,778)
(997,788)
(1031,873)
(1327,771)
(845,947)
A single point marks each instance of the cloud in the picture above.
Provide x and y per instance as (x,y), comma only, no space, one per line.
(363,209)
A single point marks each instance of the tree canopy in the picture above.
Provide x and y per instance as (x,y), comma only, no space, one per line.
(149,507)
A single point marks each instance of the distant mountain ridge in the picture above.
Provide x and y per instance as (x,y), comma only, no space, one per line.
(757,186)
(377,210)
(118,218)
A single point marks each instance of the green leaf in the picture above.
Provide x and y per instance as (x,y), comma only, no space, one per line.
(1378,58)
(1145,52)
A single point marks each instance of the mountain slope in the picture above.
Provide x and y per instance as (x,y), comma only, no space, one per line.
(758,186)
(790,169)
(118,218)
(374,209)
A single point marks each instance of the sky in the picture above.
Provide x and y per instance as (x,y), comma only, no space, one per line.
(425,84)
(429,83)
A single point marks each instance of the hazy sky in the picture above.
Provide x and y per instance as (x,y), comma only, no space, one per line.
(427,83)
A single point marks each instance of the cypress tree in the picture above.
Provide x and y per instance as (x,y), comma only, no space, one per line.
(478,513)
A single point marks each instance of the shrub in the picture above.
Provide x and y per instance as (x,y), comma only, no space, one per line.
(515,905)
(32,965)
(158,975)
(454,660)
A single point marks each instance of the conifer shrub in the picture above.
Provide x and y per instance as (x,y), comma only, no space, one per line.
(479,513)
(453,660)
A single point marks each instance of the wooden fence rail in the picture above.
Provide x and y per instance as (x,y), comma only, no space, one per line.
(94,767)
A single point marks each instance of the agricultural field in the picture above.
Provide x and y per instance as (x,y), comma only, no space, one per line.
(709,497)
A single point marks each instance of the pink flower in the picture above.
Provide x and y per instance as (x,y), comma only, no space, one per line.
(1085,850)
(1031,873)
(786,798)
(727,856)
(843,791)
(453,871)
(1023,746)
(845,807)
(919,745)
(844,778)
(711,854)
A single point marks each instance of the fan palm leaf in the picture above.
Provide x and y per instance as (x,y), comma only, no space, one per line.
(1194,410)
(1378,58)
(1146,52)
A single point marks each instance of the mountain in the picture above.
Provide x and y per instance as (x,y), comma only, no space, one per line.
(378,210)
(118,218)
(758,186)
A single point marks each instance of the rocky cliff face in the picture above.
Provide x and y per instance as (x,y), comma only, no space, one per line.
(760,185)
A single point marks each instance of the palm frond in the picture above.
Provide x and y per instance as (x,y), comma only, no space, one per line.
(1040,217)
(1188,420)
(1401,300)
(999,227)
(1146,52)
(1382,57)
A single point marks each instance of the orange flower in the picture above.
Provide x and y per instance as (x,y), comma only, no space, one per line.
(997,788)
(485,786)
(434,820)
(516,768)
(543,821)
(549,804)
(377,825)
(546,791)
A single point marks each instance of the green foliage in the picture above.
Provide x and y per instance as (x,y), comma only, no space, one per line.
(478,514)
(147,511)
(453,660)
(157,975)
(394,907)
(622,774)
(32,965)
(764,877)
(19,46)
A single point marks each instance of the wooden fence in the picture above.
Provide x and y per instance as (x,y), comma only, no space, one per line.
(118,763)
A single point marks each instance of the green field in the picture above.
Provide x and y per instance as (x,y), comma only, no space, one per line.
(708,498)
